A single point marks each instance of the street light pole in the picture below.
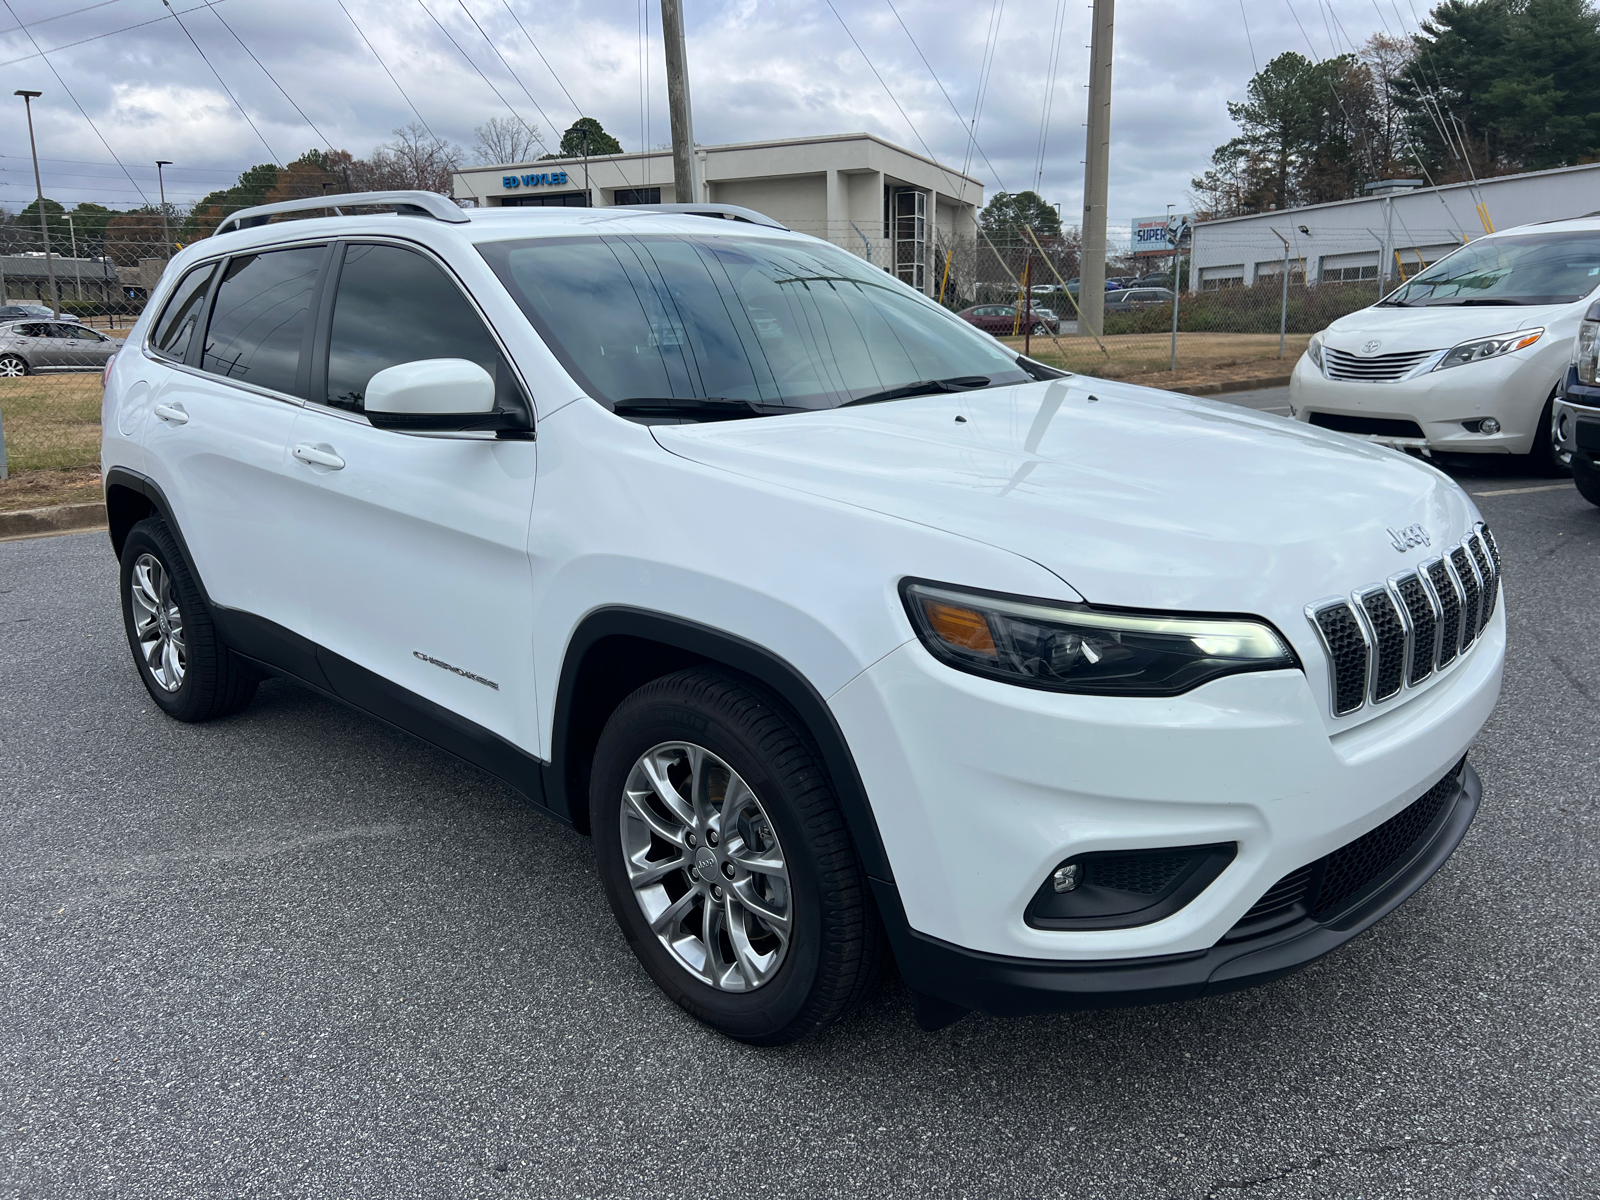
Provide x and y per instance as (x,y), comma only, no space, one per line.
(38,185)
(166,233)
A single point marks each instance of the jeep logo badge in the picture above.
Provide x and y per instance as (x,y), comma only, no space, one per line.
(1411,535)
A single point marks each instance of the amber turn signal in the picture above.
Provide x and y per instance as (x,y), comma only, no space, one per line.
(963,627)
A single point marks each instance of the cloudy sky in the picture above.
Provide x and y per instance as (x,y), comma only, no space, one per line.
(758,69)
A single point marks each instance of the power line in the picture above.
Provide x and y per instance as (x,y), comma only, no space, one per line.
(362,34)
(79,107)
(274,79)
(39,53)
(270,151)
(515,76)
(1049,90)
(1255,67)
(62,16)
(478,69)
(576,107)
(997,12)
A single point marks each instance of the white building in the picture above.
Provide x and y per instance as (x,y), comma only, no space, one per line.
(894,208)
(1345,240)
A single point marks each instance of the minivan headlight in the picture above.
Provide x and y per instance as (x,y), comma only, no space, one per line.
(1314,350)
(1586,350)
(1479,349)
(1074,648)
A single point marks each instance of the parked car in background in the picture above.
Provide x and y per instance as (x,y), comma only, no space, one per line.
(1575,425)
(1001,320)
(27,347)
(1161,279)
(1133,299)
(1465,358)
(13,312)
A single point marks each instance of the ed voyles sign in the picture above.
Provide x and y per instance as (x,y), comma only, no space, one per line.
(547,177)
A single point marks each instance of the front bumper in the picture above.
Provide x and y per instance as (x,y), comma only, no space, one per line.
(1576,401)
(1442,404)
(1005,986)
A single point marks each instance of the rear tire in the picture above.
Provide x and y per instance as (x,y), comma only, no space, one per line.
(1038,329)
(1586,474)
(1544,459)
(766,953)
(182,660)
(12,366)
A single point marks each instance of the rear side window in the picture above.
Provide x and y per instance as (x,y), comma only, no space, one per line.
(262,318)
(395,306)
(176,324)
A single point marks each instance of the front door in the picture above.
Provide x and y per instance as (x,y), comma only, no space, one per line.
(412,547)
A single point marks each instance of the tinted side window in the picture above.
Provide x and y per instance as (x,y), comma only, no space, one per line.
(176,324)
(261,317)
(394,306)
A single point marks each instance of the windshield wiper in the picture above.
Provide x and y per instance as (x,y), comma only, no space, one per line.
(926,387)
(1482,302)
(699,408)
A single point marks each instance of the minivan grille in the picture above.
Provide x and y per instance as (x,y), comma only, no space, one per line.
(1380,368)
(1391,636)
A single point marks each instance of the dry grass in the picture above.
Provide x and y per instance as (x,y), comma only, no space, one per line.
(1145,358)
(36,489)
(51,421)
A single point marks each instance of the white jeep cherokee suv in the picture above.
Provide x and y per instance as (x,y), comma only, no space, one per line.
(844,631)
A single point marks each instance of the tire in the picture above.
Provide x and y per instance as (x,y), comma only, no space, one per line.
(1543,459)
(1586,474)
(183,662)
(1038,329)
(771,989)
(12,366)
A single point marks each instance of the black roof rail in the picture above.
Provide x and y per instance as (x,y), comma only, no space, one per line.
(727,212)
(421,204)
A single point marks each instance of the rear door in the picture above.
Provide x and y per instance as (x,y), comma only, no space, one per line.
(217,440)
(413,548)
(35,344)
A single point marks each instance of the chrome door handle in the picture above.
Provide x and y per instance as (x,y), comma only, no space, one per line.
(321,455)
(172,413)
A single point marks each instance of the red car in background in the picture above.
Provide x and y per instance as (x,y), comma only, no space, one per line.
(1001,320)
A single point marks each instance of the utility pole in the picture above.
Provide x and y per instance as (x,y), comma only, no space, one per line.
(77,267)
(44,229)
(1096,167)
(587,197)
(1175,237)
(685,185)
(166,233)
(1283,310)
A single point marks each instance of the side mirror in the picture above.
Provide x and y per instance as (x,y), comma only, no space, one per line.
(437,395)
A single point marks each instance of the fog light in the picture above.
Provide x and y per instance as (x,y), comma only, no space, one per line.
(1067,878)
(1488,425)
(1562,431)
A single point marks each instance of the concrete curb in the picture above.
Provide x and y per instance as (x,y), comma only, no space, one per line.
(57,518)
(1232,385)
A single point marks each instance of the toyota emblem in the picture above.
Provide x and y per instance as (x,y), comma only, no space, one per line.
(1370,347)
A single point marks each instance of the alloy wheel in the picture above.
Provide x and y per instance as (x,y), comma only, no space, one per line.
(12,367)
(158,623)
(706,867)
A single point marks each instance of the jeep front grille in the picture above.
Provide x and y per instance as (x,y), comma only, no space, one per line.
(1391,636)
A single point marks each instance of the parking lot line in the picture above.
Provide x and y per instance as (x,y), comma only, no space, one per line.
(1547,487)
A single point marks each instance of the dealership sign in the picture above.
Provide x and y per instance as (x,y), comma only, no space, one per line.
(511,181)
(1159,235)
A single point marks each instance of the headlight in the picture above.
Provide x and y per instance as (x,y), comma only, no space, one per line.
(1314,350)
(1073,648)
(1490,347)
(1585,351)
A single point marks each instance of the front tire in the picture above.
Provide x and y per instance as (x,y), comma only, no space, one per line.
(1586,474)
(1038,329)
(726,861)
(1544,459)
(12,366)
(184,664)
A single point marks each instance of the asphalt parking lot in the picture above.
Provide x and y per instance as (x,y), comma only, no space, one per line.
(294,953)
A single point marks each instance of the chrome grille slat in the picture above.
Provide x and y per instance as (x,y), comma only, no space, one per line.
(1380,368)
(1391,636)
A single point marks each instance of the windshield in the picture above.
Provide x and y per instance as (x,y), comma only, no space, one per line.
(1540,268)
(773,322)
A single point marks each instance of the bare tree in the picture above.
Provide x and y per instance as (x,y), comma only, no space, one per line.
(414,160)
(504,140)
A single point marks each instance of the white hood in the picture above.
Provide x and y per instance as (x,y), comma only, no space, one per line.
(1438,327)
(1134,497)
